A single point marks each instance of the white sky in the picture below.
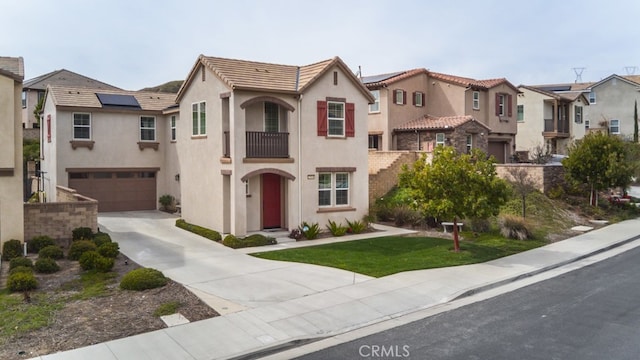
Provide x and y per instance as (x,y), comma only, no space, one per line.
(138,43)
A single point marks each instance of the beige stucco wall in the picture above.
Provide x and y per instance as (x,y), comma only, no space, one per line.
(530,129)
(11,210)
(445,99)
(614,100)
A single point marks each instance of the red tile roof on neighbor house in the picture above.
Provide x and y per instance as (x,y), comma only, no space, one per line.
(429,122)
(375,81)
(469,82)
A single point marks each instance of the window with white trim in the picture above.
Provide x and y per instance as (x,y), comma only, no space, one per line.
(335,111)
(81,126)
(333,189)
(578,114)
(173,128)
(418,99)
(440,139)
(199,117)
(502,104)
(469,143)
(24,98)
(614,126)
(476,100)
(375,107)
(399,97)
(147,128)
(592,97)
(271,117)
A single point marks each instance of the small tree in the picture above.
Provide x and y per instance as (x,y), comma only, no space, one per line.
(455,186)
(599,160)
(523,184)
(635,122)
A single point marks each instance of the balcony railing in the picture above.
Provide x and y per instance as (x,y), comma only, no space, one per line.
(267,144)
(562,128)
(226,145)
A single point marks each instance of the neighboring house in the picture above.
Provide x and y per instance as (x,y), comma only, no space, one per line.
(551,117)
(114,146)
(265,146)
(611,104)
(33,90)
(11,202)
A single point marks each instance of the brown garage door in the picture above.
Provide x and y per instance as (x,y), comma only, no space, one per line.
(497,149)
(117,190)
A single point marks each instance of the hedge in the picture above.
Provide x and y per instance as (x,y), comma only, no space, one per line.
(143,279)
(202,231)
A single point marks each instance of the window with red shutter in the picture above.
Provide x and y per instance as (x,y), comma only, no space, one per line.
(497,104)
(404,97)
(322,118)
(350,125)
(510,105)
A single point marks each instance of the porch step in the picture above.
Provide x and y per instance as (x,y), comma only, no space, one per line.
(284,239)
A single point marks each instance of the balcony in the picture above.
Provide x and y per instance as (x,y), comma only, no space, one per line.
(261,145)
(556,130)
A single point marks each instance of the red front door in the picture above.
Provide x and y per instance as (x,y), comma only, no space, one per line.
(271,209)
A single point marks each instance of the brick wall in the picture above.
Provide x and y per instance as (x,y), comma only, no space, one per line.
(546,177)
(384,168)
(58,219)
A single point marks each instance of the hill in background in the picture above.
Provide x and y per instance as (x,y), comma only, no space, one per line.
(169,87)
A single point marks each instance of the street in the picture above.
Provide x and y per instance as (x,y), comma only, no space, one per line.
(590,313)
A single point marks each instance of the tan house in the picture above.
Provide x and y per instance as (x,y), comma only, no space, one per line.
(425,133)
(268,146)
(33,90)
(11,202)
(115,146)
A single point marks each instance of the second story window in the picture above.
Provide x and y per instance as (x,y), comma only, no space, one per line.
(592,97)
(418,98)
(81,126)
(375,107)
(173,128)
(476,100)
(199,117)
(399,97)
(614,127)
(336,118)
(578,114)
(271,117)
(24,99)
(147,128)
(520,113)
(503,105)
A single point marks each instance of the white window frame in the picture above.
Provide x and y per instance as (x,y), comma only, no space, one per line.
(335,119)
(592,97)
(267,127)
(150,129)
(199,118)
(440,139)
(578,114)
(469,143)
(173,131)
(399,96)
(476,100)
(375,107)
(502,99)
(333,188)
(418,95)
(74,126)
(24,99)
(616,126)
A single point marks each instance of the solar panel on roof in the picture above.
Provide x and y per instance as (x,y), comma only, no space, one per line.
(128,101)
(555,88)
(378,78)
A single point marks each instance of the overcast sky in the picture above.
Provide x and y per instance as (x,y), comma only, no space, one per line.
(138,43)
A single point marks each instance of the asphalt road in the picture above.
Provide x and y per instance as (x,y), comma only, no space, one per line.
(590,313)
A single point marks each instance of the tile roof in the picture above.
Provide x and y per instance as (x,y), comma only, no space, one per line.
(86,97)
(429,122)
(469,82)
(65,77)
(12,66)
(386,79)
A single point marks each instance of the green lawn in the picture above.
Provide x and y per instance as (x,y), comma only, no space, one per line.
(389,255)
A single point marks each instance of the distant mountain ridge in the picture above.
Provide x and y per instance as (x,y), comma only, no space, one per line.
(168,87)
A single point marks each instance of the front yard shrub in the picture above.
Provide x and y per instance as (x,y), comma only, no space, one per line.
(480,225)
(22,281)
(20,261)
(46,266)
(109,250)
(52,252)
(310,231)
(79,247)
(404,215)
(250,241)
(11,249)
(21,268)
(81,233)
(143,279)
(231,241)
(92,260)
(336,229)
(202,231)
(39,242)
(101,238)
(514,227)
(356,226)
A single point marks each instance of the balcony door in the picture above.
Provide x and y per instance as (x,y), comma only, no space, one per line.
(271,201)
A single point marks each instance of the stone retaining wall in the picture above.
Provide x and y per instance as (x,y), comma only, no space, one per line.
(546,177)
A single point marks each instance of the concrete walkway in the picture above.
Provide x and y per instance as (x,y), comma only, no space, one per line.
(274,304)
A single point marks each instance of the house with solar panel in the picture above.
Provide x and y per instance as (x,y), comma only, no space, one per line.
(115,146)
(268,146)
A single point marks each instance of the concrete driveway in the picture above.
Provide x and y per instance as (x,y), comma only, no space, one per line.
(226,279)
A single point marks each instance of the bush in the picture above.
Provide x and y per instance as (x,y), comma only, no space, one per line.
(143,279)
(20,261)
(336,229)
(514,227)
(22,281)
(404,215)
(81,233)
(166,200)
(39,242)
(79,247)
(92,260)
(51,251)
(46,266)
(356,227)
(109,250)
(310,231)
(250,241)
(480,225)
(11,249)
(101,238)
(21,268)
(167,308)
(232,241)
(207,233)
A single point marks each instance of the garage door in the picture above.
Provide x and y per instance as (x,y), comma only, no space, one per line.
(497,149)
(117,190)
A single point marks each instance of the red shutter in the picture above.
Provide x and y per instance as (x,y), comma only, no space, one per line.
(394,96)
(322,118)
(497,104)
(414,97)
(350,121)
(49,128)
(404,97)
(510,101)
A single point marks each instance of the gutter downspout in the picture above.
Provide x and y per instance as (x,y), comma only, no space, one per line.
(299,159)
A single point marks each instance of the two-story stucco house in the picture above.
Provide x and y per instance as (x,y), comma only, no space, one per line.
(551,117)
(11,205)
(611,104)
(265,146)
(33,90)
(115,146)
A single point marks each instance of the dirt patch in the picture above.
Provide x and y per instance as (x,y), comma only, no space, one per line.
(117,314)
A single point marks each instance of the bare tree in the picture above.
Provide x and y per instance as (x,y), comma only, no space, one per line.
(522,183)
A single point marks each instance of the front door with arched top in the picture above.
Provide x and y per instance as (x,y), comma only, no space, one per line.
(271,201)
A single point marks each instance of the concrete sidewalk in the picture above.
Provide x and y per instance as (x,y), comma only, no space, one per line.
(339,308)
